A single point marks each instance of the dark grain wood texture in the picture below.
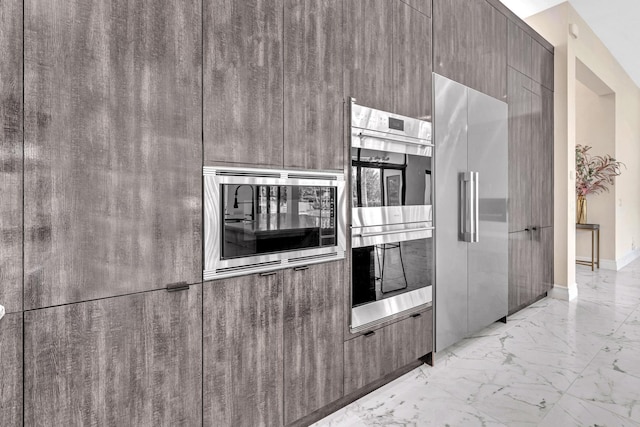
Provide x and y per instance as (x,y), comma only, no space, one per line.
(520,23)
(518,49)
(368,52)
(411,62)
(313,99)
(520,151)
(546,241)
(243,365)
(542,65)
(113,148)
(313,341)
(243,82)
(423,6)
(11,370)
(11,155)
(545,214)
(470,45)
(131,360)
(519,269)
(368,358)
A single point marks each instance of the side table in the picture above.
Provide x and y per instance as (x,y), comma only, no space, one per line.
(595,230)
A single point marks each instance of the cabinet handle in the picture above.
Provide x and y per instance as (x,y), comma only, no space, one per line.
(369,334)
(302,267)
(268,273)
(534,228)
(416,315)
(526,229)
(175,287)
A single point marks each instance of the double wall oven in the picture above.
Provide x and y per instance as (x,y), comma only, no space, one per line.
(391,215)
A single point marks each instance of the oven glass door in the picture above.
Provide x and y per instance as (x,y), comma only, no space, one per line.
(264,219)
(386,270)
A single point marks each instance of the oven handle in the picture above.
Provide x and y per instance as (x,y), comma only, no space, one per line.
(406,230)
(386,138)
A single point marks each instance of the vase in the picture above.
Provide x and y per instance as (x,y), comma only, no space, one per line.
(581,210)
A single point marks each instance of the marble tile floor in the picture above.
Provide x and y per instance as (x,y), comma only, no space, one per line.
(555,363)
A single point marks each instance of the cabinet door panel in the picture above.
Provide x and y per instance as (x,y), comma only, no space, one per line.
(243,351)
(412,62)
(518,49)
(11,155)
(113,148)
(413,338)
(11,370)
(423,6)
(243,97)
(131,360)
(470,45)
(313,341)
(313,84)
(520,151)
(545,161)
(541,65)
(368,52)
(519,269)
(541,261)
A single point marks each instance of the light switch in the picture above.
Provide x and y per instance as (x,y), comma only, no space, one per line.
(1,311)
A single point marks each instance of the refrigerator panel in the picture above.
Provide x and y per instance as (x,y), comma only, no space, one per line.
(488,257)
(450,136)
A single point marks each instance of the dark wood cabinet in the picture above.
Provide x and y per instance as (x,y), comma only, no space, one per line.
(243,344)
(313,101)
(520,150)
(411,61)
(113,154)
(243,81)
(368,52)
(11,369)
(11,156)
(518,48)
(470,45)
(313,340)
(545,160)
(541,65)
(423,6)
(530,266)
(130,360)
(379,352)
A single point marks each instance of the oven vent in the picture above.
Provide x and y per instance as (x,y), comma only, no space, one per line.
(311,176)
(249,174)
(248,267)
(313,257)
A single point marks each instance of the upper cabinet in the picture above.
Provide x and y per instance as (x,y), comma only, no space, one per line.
(243,81)
(470,45)
(313,101)
(113,153)
(11,156)
(529,57)
(541,65)
(411,61)
(368,52)
(388,55)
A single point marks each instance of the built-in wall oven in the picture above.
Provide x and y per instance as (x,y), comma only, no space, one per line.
(391,215)
(257,220)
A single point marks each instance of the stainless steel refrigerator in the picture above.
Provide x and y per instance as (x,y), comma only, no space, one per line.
(471,189)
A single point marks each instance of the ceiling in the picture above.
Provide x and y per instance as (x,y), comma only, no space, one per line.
(615,22)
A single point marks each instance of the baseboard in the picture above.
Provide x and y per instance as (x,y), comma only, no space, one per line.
(619,264)
(627,259)
(564,293)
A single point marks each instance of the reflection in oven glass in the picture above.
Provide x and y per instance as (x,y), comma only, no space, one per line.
(388,269)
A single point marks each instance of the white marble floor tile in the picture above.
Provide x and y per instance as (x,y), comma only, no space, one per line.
(573,412)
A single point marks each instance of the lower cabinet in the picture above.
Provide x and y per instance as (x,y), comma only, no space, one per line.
(377,353)
(530,266)
(242,341)
(130,360)
(11,370)
(313,338)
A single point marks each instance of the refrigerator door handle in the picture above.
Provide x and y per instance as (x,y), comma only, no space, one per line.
(466,206)
(475,232)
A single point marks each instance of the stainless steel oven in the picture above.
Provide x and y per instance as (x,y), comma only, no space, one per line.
(391,215)
(257,220)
